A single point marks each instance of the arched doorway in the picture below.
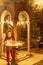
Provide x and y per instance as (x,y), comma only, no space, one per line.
(4,13)
(24,23)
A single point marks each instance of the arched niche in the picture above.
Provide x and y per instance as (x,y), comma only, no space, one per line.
(23,19)
(4,13)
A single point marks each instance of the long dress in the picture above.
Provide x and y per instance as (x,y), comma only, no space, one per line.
(9,50)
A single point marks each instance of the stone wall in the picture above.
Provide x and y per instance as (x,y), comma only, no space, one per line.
(14,9)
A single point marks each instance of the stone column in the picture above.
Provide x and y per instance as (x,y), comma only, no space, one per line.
(0,41)
(15,31)
(28,37)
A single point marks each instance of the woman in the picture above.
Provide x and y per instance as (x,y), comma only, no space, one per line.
(8,24)
(9,41)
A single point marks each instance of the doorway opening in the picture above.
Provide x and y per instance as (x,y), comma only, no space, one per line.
(23,33)
(3,15)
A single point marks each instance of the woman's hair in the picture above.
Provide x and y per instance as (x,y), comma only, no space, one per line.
(6,17)
(12,36)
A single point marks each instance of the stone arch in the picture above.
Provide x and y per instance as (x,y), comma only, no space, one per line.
(3,9)
(25,14)
(4,13)
(26,9)
(28,27)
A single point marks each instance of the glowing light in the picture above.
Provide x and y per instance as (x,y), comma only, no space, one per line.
(38,2)
(20,23)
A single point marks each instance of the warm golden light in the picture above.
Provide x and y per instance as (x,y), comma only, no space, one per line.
(2,2)
(20,23)
(38,2)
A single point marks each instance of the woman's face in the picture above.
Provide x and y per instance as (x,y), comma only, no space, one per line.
(9,34)
(8,18)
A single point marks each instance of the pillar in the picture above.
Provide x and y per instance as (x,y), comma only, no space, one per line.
(0,41)
(28,37)
(15,31)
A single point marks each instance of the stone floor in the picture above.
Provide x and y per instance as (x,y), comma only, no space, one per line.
(37,56)
(39,63)
(37,50)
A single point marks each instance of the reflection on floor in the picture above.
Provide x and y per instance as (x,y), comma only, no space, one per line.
(37,56)
(19,55)
(22,55)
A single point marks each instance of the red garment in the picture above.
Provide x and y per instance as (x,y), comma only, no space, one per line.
(8,54)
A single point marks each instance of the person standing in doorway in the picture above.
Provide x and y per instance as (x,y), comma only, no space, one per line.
(9,43)
(8,25)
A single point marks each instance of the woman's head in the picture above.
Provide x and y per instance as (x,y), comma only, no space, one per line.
(7,17)
(10,35)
